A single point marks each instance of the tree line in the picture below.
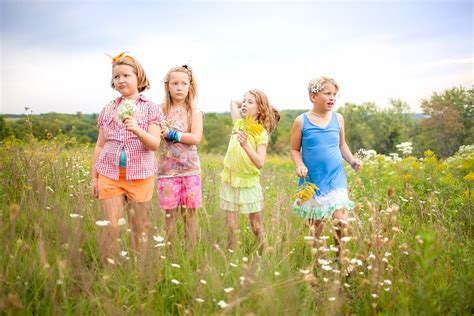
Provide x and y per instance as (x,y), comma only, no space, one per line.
(445,124)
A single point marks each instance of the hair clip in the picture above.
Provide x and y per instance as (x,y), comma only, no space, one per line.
(185,66)
(114,59)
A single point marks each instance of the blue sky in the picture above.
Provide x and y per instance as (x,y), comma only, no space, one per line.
(53,53)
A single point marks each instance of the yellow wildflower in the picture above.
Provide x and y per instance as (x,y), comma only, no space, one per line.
(469,176)
(251,127)
(304,192)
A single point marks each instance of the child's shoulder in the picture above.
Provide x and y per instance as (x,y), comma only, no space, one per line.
(299,119)
(110,106)
(147,102)
(339,117)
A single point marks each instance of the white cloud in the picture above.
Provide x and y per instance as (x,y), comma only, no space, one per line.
(231,53)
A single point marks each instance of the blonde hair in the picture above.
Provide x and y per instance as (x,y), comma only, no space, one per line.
(190,98)
(268,116)
(142,80)
(317,84)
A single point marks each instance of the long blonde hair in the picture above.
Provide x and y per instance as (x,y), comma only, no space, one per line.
(190,98)
(268,116)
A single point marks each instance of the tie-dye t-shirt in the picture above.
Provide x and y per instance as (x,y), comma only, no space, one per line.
(178,159)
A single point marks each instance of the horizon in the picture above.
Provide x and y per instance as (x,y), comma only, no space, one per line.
(416,49)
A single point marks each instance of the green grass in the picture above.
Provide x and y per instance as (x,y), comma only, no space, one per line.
(411,245)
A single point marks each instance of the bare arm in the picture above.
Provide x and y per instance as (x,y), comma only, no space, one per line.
(150,138)
(295,147)
(195,136)
(258,156)
(235,109)
(345,151)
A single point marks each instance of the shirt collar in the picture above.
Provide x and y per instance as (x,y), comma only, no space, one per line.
(141,97)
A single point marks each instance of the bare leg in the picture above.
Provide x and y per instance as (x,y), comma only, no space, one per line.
(341,215)
(113,211)
(315,227)
(137,217)
(257,228)
(190,225)
(171,217)
(231,227)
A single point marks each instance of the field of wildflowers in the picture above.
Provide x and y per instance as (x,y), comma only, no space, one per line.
(410,243)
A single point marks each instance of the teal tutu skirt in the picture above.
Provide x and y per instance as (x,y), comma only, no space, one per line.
(319,207)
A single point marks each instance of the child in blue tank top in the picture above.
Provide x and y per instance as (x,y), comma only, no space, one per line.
(317,150)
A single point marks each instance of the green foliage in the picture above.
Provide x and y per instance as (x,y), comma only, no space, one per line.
(451,121)
(448,123)
(368,127)
(55,125)
(410,242)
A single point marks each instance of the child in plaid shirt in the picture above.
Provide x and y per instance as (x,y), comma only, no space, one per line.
(124,163)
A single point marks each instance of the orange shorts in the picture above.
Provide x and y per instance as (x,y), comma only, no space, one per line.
(135,190)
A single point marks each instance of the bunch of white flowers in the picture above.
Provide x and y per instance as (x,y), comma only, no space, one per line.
(127,108)
(405,148)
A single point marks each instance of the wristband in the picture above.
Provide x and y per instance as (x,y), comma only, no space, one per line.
(171,134)
(177,137)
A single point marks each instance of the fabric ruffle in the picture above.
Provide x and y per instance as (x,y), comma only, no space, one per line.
(323,206)
(243,200)
(238,180)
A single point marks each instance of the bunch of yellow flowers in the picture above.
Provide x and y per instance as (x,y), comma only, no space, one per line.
(251,127)
(304,192)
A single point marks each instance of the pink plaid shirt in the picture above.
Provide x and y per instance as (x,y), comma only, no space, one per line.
(141,162)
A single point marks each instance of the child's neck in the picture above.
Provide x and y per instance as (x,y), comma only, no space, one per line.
(319,113)
(178,103)
(131,97)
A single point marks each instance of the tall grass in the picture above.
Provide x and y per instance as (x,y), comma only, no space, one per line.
(410,241)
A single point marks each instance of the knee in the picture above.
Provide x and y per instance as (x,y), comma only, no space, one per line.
(341,217)
(113,229)
(189,213)
(231,223)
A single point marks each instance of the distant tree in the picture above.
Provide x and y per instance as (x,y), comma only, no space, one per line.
(217,129)
(450,122)
(4,129)
(368,127)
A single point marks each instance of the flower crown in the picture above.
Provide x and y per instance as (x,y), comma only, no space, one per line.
(315,87)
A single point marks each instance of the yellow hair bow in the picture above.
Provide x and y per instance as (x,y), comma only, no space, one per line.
(114,59)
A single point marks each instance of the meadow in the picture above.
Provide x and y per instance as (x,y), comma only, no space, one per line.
(410,241)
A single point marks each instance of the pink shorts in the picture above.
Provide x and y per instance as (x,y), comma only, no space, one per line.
(180,191)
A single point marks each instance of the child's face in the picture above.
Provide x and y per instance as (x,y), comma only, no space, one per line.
(125,80)
(178,86)
(326,98)
(249,105)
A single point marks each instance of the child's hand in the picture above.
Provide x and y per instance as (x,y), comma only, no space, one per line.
(302,171)
(237,104)
(356,164)
(242,138)
(131,124)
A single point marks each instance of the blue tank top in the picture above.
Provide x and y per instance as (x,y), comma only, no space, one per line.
(322,155)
